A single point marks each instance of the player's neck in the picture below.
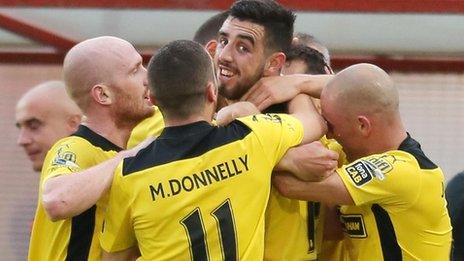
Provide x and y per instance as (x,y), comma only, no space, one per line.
(390,138)
(205,115)
(172,122)
(109,130)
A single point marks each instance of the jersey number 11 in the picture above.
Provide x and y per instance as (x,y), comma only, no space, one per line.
(195,229)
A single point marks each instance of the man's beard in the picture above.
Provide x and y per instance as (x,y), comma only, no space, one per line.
(240,88)
(130,113)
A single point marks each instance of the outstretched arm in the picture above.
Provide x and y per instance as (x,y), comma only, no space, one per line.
(309,162)
(66,196)
(330,190)
(277,89)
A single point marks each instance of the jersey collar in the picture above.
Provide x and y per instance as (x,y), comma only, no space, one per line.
(95,139)
(186,130)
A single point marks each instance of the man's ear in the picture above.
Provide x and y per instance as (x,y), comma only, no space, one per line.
(74,121)
(211,47)
(274,64)
(211,92)
(102,94)
(364,125)
(153,99)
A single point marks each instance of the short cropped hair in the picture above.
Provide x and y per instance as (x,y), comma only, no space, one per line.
(276,20)
(311,41)
(177,76)
(209,30)
(313,59)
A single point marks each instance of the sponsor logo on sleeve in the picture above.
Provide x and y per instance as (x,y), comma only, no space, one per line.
(359,173)
(382,163)
(365,170)
(353,225)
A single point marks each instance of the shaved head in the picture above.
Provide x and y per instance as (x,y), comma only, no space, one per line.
(363,88)
(92,62)
(51,94)
(361,107)
(44,115)
(105,77)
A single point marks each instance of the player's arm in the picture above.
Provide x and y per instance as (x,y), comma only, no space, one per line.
(277,89)
(331,190)
(301,107)
(314,126)
(309,162)
(231,112)
(65,196)
(125,255)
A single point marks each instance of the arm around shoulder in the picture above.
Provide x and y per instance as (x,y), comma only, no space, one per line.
(331,190)
(277,89)
(314,126)
(68,195)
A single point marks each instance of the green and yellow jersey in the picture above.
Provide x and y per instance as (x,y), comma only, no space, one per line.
(74,238)
(199,192)
(150,127)
(400,210)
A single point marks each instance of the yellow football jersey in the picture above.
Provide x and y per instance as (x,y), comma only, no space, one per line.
(290,234)
(294,228)
(75,238)
(332,144)
(400,211)
(330,250)
(199,192)
(150,127)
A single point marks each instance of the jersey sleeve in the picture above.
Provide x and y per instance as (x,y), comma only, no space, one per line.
(333,145)
(276,133)
(390,178)
(117,233)
(69,155)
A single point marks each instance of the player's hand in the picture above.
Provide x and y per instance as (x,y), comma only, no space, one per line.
(272,90)
(133,151)
(234,111)
(309,162)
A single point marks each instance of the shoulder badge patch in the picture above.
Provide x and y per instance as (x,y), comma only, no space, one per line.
(364,170)
(65,158)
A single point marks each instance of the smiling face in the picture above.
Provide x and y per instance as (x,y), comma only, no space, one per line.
(240,57)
